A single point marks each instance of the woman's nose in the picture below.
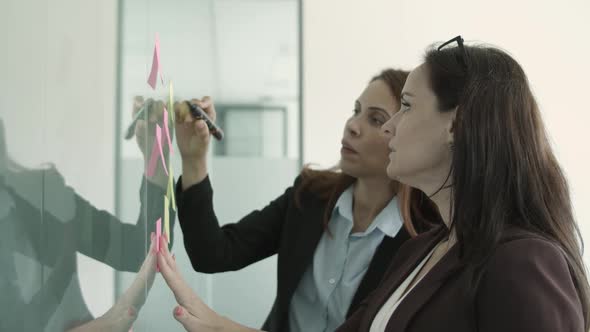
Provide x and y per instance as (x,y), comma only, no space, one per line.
(388,128)
(353,127)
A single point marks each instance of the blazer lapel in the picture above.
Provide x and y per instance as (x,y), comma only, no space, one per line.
(304,243)
(398,271)
(424,290)
(376,270)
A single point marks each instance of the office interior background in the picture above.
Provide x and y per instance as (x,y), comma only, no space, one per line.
(284,75)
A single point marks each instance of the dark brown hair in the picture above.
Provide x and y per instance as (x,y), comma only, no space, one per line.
(504,172)
(418,212)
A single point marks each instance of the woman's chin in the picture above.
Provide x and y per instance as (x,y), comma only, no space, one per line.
(392,172)
(349,168)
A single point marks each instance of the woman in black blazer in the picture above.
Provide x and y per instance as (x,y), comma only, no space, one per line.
(293,225)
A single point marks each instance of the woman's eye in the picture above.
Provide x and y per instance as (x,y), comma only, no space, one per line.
(405,107)
(378,121)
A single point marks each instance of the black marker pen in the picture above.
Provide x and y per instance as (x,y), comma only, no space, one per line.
(199,114)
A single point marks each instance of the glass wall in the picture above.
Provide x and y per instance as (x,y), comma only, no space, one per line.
(245,55)
(76,206)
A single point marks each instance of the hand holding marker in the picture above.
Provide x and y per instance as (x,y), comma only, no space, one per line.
(199,114)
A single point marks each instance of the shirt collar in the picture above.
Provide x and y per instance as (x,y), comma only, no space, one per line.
(389,220)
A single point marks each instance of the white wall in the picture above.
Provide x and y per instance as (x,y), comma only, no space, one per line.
(348,41)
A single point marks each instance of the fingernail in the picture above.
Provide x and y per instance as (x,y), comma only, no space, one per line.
(178,311)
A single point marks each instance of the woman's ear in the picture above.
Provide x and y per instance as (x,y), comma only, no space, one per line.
(451,126)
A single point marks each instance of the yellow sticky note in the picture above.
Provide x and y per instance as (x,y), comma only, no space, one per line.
(166,218)
(170,190)
(171,102)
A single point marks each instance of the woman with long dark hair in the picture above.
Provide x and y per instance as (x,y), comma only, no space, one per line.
(508,258)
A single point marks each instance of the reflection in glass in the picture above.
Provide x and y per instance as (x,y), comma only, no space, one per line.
(44,223)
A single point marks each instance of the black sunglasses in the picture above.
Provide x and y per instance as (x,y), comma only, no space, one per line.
(462,54)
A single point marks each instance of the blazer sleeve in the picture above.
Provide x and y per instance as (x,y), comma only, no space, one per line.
(528,287)
(123,246)
(212,248)
(50,208)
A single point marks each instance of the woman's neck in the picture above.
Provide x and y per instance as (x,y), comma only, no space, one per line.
(370,197)
(443,201)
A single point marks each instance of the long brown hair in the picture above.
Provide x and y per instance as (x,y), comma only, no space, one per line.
(418,212)
(504,172)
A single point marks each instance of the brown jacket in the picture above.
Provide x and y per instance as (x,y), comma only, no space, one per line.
(526,286)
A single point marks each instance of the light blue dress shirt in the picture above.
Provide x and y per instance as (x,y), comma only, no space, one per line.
(326,289)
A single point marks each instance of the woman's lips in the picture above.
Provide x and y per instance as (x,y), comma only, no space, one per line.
(347,148)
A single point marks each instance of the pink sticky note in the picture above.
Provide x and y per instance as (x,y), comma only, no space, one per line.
(159,140)
(166,131)
(158,233)
(155,65)
(153,160)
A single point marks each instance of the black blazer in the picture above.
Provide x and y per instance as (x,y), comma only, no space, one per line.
(526,286)
(279,228)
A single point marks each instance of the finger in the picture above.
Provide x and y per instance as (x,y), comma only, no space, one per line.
(196,101)
(206,104)
(152,248)
(135,295)
(190,322)
(209,107)
(149,264)
(188,118)
(180,112)
(155,116)
(148,268)
(137,104)
(201,129)
(182,292)
(140,128)
(166,253)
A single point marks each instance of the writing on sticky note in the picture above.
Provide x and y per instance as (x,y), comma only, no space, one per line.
(159,141)
(167,218)
(152,79)
(167,131)
(158,233)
